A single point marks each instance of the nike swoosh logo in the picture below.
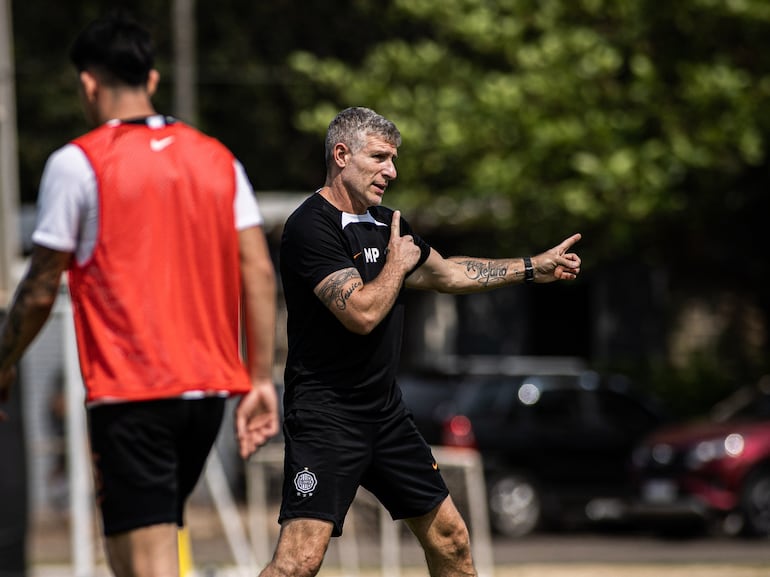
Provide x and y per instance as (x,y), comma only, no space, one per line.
(158,144)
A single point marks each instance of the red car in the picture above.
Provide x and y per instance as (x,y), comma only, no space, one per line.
(714,470)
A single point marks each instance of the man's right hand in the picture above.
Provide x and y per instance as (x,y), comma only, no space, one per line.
(401,249)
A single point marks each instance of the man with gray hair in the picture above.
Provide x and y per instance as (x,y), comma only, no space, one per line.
(345,261)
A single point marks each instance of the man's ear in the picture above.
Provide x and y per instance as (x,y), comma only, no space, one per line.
(152,81)
(89,85)
(340,154)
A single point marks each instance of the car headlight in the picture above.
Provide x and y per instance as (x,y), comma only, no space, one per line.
(706,451)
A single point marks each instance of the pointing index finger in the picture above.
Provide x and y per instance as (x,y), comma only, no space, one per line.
(395,225)
(567,243)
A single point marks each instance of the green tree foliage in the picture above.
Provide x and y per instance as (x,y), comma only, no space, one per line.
(543,116)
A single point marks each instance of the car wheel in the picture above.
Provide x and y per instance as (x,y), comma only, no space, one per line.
(755,502)
(514,505)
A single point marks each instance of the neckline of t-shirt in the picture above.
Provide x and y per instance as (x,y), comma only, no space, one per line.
(154,121)
(366,217)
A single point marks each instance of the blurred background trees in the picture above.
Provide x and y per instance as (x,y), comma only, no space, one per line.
(641,124)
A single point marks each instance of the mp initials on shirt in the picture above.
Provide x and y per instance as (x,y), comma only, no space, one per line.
(371,254)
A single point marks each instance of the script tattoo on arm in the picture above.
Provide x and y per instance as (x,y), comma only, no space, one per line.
(485,273)
(334,292)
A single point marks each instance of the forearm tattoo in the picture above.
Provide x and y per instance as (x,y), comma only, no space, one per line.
(485,273)
(334,292)
(42,280)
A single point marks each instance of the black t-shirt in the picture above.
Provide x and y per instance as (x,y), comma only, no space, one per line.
(329,368)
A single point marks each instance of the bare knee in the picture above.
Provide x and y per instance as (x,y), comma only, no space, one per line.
(448,554)
(301,549)
(444,538)
(451,542)
(305,565)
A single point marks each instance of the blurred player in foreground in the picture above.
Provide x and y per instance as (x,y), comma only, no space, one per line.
(345,260)
(159,229)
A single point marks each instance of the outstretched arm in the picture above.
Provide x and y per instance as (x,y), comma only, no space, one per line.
(29,310)
(461,274)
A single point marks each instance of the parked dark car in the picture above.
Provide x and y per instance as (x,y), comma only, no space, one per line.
(555,447)
(715,470)
(430,398)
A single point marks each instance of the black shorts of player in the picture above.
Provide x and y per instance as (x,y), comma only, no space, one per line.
(329,457)
(148,457)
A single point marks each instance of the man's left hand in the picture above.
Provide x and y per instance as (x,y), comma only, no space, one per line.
(557,263)
(256,417)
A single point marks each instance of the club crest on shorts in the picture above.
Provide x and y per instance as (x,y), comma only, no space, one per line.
(305,482)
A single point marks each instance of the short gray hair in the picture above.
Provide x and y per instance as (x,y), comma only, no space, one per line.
(353,125)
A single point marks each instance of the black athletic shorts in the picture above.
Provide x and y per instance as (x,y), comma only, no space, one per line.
(329,457)
(148,456)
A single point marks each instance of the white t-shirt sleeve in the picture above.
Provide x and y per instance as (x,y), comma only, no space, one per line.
(66,208)
(247,212)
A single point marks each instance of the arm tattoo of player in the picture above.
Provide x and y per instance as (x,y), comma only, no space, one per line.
(42,279)
(334,292)
(44,274)
(485,273)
